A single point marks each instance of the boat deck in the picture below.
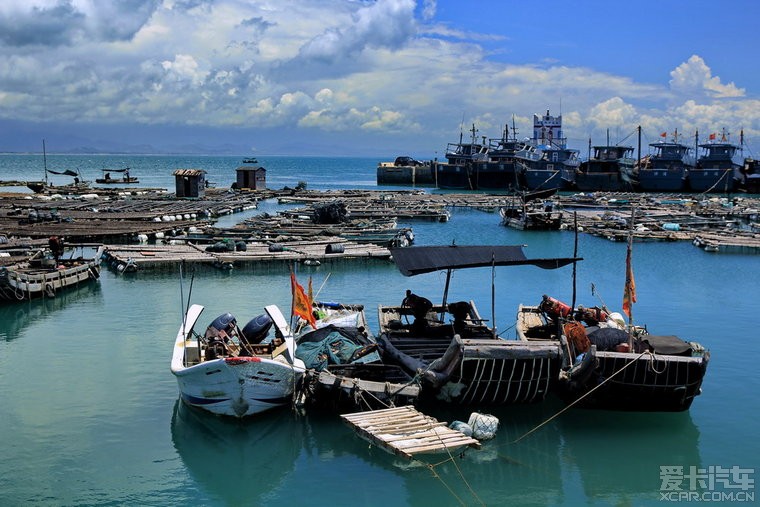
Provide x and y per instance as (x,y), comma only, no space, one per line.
(406,432)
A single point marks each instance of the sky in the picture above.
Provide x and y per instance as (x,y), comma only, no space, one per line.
(375,78)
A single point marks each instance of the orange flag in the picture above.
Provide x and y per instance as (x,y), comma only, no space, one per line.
(664,134)
(712,137)
(629,293)
(301,302)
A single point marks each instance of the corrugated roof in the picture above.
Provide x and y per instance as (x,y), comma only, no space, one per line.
(188,172)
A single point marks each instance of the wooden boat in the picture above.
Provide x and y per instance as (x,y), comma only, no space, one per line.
(126,179)
(659,373)
(458,357)
(526,213)
(613,365)
(234,372)
(344,369)
(45,273)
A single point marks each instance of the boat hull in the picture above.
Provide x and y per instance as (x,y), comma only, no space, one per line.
(454,177)
(711,180)
(495,176)
(238,386)
(23,284)
(662,180)
(602,182)
(649,383)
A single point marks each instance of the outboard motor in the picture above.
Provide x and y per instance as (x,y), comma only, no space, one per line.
(218,334)
(257,329)
(224,322)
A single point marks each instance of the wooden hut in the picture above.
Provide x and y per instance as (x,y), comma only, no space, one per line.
(190,182)
(252,178)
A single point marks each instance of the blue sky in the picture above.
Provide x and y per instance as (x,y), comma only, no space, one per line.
(368,78)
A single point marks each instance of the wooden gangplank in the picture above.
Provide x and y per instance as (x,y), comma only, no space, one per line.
(405,432)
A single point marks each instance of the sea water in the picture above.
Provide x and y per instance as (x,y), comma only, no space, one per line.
(90,412)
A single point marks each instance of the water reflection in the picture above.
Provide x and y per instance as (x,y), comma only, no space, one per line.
(14,317)
(240,461)
(618,455)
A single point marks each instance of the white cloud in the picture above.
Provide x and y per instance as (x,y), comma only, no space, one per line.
(385,67)
(694,76)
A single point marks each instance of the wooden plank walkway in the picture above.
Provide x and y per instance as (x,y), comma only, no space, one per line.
(405,432)
(166,256)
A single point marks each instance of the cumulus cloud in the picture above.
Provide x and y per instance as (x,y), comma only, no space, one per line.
(383,67)
(64,22)
(385,23)
(694,76)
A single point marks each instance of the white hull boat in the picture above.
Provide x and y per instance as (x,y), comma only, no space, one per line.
(233,372)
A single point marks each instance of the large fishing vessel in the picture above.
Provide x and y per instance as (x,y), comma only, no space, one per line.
(667,168)
(459,170)
(610,169)
(716,169)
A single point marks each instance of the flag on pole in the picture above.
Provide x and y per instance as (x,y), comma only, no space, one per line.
(301,302)
(712,136)
(629,293)
(664,134)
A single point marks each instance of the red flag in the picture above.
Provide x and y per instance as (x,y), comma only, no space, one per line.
(712,137)
(301,302)
(629,293)
(664,134)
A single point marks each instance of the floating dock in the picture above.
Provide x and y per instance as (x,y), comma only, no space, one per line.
(405,432)
(130,258)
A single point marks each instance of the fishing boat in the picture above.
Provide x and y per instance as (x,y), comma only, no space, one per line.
(750,180)
(250,160)
(236,372)
(716,170)
(344,370)
(457,356)
(50,270)
(667,168)
(610,169)
(125,179)
(499,171)
(461,158)
(532,211)
(614,365)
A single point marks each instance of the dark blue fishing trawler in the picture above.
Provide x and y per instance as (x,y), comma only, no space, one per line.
(459,170)
(499,171)
(667,168)
(611,169)
(716,170)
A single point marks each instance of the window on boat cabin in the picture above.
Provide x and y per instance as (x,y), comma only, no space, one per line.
(555,156)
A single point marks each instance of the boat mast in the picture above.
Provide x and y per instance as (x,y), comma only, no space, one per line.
(639,129)
(44,161)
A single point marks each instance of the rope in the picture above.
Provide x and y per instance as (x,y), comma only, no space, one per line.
(651,366)
(582,397)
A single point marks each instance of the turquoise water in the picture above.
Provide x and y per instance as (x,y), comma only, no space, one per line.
(89,407)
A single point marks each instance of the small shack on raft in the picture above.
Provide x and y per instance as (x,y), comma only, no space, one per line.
(190,182)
